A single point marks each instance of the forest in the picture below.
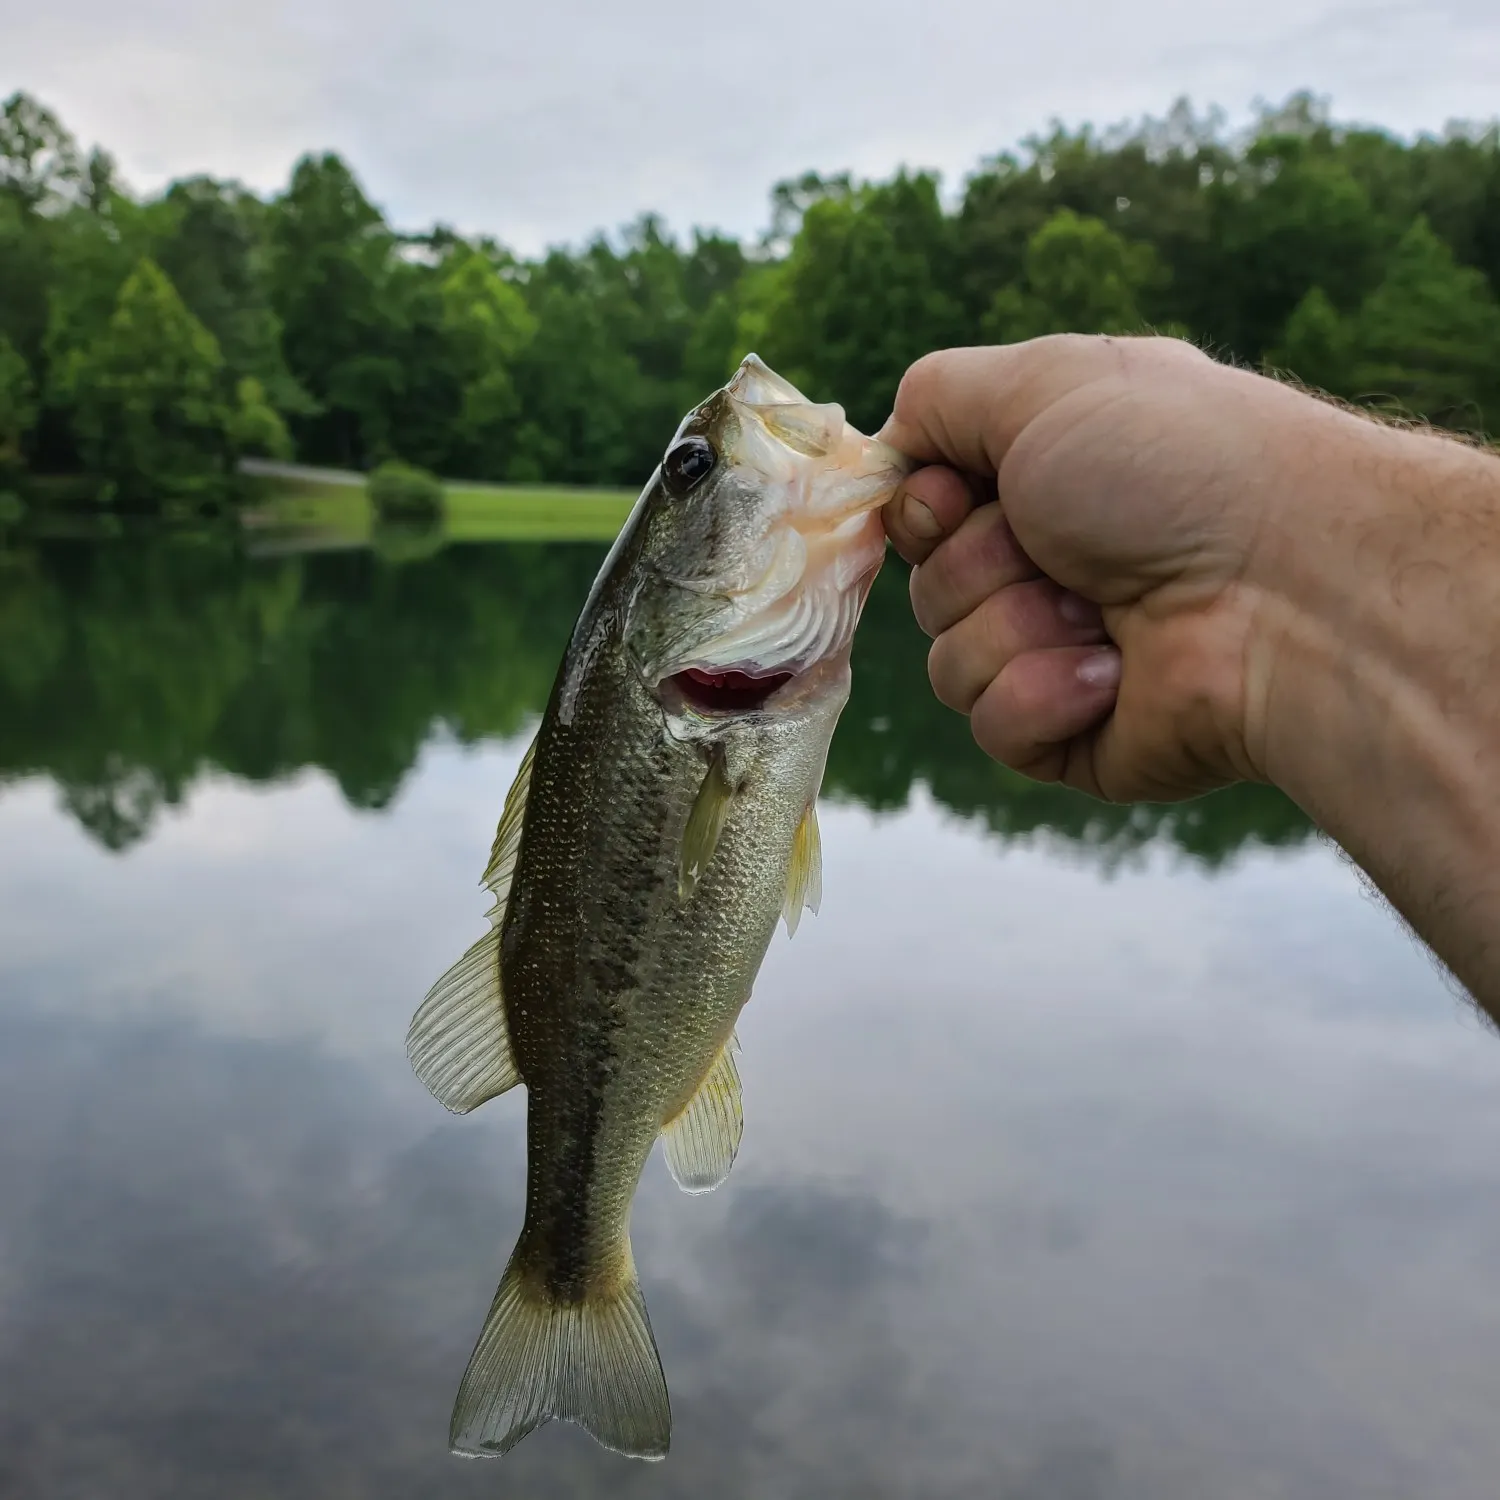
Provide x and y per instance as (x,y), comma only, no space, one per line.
(150,342)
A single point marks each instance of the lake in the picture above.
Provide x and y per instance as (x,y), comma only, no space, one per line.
(1090,1153)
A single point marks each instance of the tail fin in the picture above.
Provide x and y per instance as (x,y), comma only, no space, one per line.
(592,1362)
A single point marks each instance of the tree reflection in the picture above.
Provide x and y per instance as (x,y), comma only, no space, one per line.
(130,668)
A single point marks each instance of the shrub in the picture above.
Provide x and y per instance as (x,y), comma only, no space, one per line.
(401,491)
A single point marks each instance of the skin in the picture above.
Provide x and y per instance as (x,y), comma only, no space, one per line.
(1147,574)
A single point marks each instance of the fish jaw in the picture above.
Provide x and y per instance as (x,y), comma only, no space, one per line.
(792,599)
(829,470)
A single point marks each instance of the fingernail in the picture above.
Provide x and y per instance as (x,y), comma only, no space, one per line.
(918,520)
(1077,610)
(1101,670)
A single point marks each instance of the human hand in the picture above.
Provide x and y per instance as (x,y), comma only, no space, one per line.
(1097,546)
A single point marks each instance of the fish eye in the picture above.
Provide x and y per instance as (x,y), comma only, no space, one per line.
(688,464)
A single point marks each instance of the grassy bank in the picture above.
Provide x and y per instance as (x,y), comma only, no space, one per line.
(472,512)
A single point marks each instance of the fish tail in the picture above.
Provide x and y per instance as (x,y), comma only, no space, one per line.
(593,1362)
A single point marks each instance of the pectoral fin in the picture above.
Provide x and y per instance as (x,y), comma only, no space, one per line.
(700,1143)
(804,877)
(704,825)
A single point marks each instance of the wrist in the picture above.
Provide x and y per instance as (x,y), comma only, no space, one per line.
(1371,694)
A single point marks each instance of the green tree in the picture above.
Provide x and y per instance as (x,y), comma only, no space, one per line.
(864,290)
(40,165)
(331,285)
(1429,336)
(1317,346)
(18,409)
(790,201)
(149,411)
(1080,276)
(1145,181)
(636,312)
(715,274)
(212,246)
(25,265)
(253,426)
(1290,217)
(1454,180)
(40,179)
(488,325)
(91,255)
(578,386)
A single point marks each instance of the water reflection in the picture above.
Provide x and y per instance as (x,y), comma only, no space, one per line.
(1066,1176)
(129,669)
(1017,1215)
(232,1272)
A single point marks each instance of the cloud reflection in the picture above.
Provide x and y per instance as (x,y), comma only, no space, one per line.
(244,1266)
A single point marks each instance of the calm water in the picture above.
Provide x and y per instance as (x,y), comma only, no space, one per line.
(1089,1154)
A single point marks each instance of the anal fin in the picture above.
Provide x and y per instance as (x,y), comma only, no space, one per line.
(701,1143)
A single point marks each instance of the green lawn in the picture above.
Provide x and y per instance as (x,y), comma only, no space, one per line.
(494,514)
(473,513)
(295,503)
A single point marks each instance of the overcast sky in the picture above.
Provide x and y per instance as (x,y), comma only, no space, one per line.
(543,121)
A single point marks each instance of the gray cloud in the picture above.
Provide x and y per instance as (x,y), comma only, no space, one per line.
(544,122)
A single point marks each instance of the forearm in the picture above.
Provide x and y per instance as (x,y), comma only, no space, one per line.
(1378,688)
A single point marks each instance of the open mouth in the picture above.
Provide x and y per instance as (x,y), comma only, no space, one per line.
(727,692)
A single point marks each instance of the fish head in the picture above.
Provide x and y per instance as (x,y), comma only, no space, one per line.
(761,538)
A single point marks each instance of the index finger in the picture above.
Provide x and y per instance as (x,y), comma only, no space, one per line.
(928,507)
(966,407)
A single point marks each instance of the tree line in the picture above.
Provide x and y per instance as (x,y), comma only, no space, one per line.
(150,341)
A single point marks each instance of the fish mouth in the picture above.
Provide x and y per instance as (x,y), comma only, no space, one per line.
(729,692)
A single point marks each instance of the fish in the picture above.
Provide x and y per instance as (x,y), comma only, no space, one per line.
(663,820)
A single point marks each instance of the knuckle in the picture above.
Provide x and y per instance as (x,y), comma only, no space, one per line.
(998,619)
(1067,343)
(997,739)
(960,671)
(1161,351)
(923,608)
(944,672)
(985,556)
(917,383)
(997,551)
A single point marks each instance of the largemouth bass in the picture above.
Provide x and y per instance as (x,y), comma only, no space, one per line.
(662,820)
